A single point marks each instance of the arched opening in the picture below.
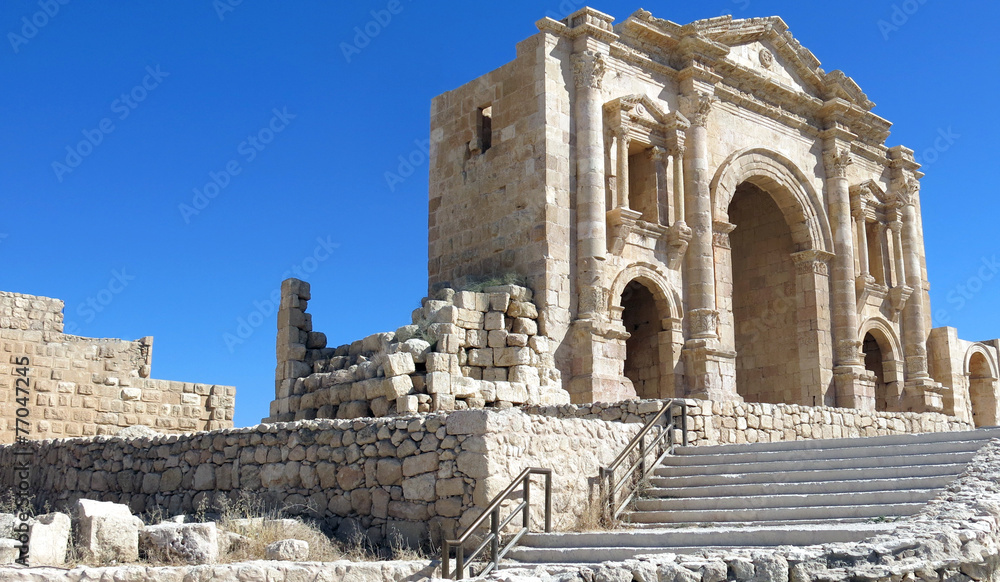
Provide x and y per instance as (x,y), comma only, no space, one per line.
(873,363)
(764,299)
(982,391)
(642,349)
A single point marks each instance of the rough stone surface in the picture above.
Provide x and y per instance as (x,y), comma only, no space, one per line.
(341,571)
(193,543)
(288,550)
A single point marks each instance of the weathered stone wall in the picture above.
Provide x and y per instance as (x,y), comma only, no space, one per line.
(421,476)
(463,350)
(78,386)
(715,423)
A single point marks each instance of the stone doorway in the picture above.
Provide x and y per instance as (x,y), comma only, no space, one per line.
(764,299)
(641,319)
(873,363)
(982,391)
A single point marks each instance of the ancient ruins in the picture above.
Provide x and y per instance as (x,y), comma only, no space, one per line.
(622,215)
(79,386)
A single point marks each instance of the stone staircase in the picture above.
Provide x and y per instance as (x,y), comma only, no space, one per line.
(773,494)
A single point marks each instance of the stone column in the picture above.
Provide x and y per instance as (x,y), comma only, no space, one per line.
(700,277)
(812,284)
(896,227)
(861,226)
(677,160)
(622,181)
(659,157)
(588,69)
(855,387)
(913,313)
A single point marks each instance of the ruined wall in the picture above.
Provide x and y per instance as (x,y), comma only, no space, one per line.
(418,475)
(463,350)
(67,385)
(971,370)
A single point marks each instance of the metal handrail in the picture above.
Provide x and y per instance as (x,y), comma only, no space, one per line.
(610,487)
(492,539)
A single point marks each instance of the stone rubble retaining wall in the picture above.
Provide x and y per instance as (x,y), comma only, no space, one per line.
(463,350)
(956,538)
(341,571)
(79,386)
(421,476)
(714,423)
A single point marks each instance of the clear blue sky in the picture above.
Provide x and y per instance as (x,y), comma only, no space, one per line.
(298,138)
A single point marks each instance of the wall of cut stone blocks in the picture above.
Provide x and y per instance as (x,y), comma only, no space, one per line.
(425,476)
(462,350)
(78,386)
(975,393)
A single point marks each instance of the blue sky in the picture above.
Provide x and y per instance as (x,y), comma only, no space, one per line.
(230,143)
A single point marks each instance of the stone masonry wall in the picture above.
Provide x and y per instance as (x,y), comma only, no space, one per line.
(462,350)
(422,476)
(78,386)
(716,423)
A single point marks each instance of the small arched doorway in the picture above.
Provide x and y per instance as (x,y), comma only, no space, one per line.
(873,363)
(982,391)
(641,319)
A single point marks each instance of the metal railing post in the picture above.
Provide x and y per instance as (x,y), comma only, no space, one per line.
(495,543)
(460,563)
(526,520)
(684,423)
(548,502)
(445,559)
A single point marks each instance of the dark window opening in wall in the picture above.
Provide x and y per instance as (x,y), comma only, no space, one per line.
(876,258)
(642,182)
(485,128)
(873,363)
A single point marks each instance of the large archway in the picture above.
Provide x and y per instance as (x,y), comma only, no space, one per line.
(873,363)
(764,304)
(883,357)
(982,390)
(772,243)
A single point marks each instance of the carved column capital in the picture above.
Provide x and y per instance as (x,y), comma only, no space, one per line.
(896,226)
(812,261)
(697,107)
(720,233)
(588,70)
(848,352)
(837,163)
(704,323)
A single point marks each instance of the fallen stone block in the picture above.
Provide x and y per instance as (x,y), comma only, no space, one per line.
(193,543)
(48,539)
(10,551)
(288,550)
(108,531)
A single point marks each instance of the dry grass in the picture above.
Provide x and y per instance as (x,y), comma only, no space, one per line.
(261,527)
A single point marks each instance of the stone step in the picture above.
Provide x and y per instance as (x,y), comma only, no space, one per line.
(852,498)
(738,488)
(713,468)
(751,455)
(624,544)
(949,470)
(980,434)
(776,514)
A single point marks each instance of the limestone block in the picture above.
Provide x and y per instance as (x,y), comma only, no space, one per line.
(48,538)
(407,332)
(420,488)
(399,364)
(396,387)
(443,402)
(462,387)
(193,543)
(407,405)
(524,326)
(108,531)
(287,550)
(439,362)
(525,374)
(515,392)
(522,309)
(418,348)
(494,320)
(468,422)
(513,356)
(10,551)
(419,464)
(497,338)
(451,343)
(517,340)
(439,383)
(389,472)
(132,394)
(494,374)
(499,301)
(469,319)
(476,338)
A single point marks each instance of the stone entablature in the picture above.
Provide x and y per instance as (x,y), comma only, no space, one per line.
(79,386)
(701,211)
